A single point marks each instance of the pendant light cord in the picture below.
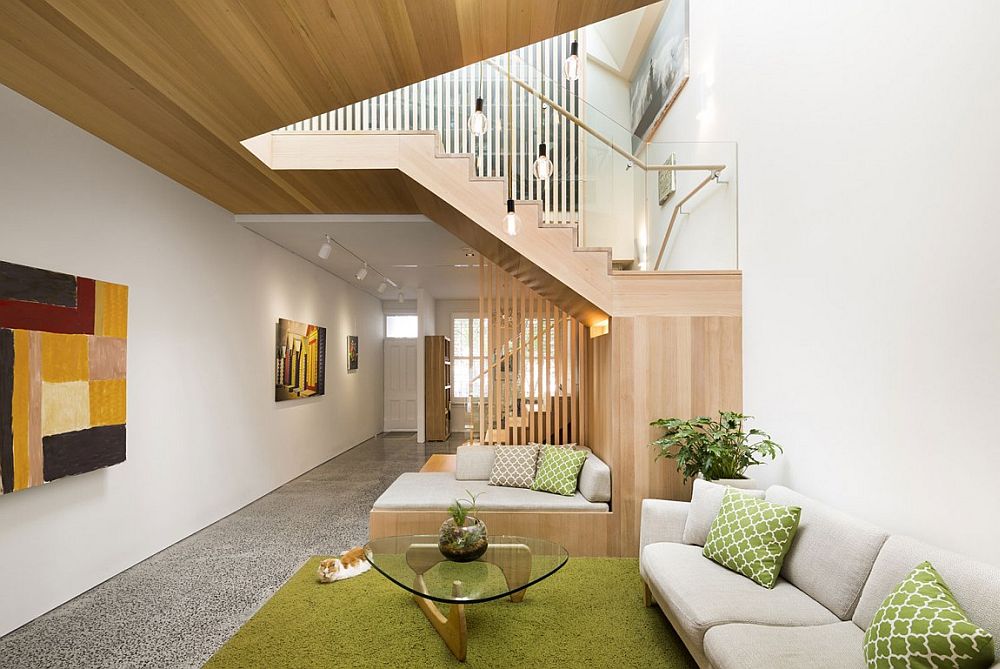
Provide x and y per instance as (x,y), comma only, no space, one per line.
(510,136)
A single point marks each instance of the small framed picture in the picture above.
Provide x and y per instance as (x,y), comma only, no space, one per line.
(352,353)
(667,181)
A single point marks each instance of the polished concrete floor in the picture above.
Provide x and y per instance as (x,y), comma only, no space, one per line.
(179,606)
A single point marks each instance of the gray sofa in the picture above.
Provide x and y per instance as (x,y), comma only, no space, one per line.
(834,578)
(435,491)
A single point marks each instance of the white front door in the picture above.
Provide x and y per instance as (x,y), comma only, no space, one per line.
(400,385)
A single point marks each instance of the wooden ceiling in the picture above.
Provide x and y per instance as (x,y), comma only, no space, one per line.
(179,83)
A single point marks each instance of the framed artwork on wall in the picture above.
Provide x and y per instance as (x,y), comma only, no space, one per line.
(352,353)
(299,360)
(62,375)
(662,73)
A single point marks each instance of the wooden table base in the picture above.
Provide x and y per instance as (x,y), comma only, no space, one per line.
(514,561)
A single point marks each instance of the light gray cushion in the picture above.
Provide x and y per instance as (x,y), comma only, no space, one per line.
(706,500)
(514,466)
(474,463)
(702,594)
(976,585)
(435,491)
(832,553)
(595,479)
(661,520)
(836,646)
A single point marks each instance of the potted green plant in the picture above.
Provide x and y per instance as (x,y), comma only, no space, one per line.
(717,450)
(463,536)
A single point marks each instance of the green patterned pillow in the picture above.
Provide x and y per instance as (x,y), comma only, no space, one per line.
(920,624)
(558,470)
(752,537)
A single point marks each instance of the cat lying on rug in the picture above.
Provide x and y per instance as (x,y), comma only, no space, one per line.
(350,563)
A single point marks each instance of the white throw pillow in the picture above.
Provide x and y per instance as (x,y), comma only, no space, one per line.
(706,500)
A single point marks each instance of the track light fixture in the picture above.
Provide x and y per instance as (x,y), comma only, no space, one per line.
(324,250)
(401,298)
(571,66)
(327,247)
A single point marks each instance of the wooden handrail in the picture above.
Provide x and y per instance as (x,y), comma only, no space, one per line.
(673,216)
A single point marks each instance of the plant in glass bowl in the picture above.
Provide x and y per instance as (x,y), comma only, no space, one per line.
(463,536)
(717,450)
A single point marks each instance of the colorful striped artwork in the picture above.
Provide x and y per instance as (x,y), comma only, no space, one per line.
(299,361)
(62,375)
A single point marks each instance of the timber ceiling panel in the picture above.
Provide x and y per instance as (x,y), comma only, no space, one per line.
(178,83)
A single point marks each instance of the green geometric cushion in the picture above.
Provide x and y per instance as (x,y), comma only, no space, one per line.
(920,624)
(752,537)
(558,470)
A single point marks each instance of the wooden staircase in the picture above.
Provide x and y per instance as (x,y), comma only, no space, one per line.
(546,257)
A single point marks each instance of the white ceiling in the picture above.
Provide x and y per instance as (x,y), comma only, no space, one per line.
(619,42)
(411,250)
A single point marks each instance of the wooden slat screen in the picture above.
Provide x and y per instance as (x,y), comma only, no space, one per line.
(532,357)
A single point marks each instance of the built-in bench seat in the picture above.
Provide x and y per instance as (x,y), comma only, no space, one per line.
(436,491)
(417,503)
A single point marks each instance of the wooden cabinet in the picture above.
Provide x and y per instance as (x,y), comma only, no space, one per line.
(437,388)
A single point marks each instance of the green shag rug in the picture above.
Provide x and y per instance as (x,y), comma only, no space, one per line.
(588,614)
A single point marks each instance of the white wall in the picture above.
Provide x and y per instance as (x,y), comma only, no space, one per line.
(425,327)
(205,436)
(869,239)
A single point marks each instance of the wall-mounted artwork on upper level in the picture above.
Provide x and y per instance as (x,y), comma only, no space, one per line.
(662,72)
(299,360)
(62,375)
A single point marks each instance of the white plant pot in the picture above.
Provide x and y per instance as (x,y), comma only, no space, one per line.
(742,484)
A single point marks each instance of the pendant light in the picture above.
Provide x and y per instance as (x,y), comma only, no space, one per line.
(542,167)
(478,121)
(324,250)
(511,223)
(571,66)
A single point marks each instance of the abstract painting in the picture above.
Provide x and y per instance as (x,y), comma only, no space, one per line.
(62,375)
(352,353)
(662,73)
(299,361)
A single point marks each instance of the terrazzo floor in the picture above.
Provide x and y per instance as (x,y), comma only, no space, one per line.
(178,607)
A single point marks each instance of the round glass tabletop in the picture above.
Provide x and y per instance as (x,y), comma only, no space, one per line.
(509,565)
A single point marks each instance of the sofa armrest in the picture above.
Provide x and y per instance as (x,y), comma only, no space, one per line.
(662,520)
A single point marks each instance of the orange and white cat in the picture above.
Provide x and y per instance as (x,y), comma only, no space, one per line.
(350,563)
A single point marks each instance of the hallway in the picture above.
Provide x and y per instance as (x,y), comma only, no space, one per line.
(178,607)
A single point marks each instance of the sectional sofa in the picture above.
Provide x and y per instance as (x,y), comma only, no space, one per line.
(835,576)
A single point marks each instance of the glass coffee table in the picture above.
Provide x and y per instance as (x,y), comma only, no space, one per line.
(509,566)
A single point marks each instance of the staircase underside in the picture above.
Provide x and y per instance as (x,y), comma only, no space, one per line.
(406,173)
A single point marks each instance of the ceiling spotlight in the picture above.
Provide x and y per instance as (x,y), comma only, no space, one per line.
(381,287)
(401,298)
(571,66)
(542,166)
(324,250)
(469,252)
(362,273)
(478,123)
(511,221)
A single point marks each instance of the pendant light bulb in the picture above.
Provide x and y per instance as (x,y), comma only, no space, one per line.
(324,250)
(511,221)
(571,66)
(478,123)
(362,273)
(542,167)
